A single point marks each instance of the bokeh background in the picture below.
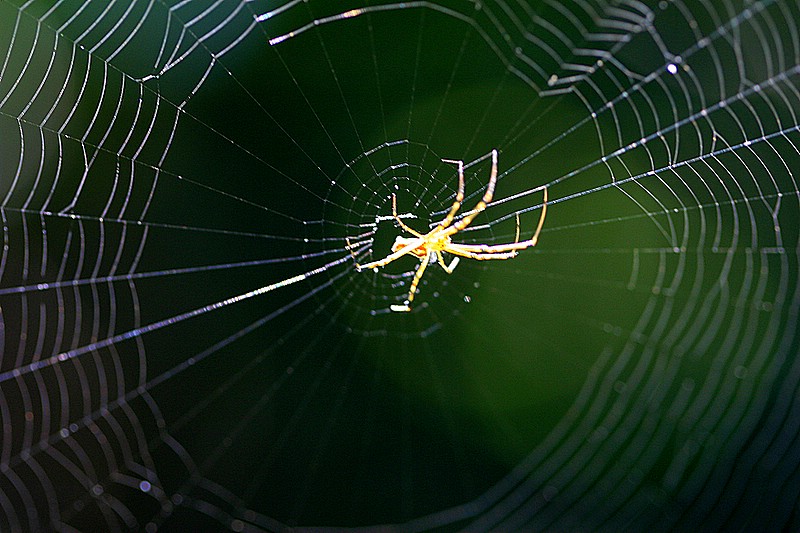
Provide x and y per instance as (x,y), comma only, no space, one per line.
(187,345)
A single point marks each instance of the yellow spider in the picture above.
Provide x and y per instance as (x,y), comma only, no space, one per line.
(429,247)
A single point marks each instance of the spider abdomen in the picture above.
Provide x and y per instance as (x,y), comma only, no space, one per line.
(424,249)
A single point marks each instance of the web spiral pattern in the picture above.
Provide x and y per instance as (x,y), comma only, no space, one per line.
(185,343)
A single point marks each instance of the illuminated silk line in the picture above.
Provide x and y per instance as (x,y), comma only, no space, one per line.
(104,343)
(352,14)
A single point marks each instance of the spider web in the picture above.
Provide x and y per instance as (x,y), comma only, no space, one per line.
(185,342)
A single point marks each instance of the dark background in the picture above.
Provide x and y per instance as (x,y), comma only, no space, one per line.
(635,370)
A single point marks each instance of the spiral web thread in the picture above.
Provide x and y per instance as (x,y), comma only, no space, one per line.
(702,141)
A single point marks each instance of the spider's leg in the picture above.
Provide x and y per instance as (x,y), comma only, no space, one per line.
(447,268)
(487,197)
(350,246)
(417,277)
(459,195)
(501,248)
(535,237)
(399,221)
(491,248)
(458,249)
(408,248)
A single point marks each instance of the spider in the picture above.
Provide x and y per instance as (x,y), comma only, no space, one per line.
(429,246)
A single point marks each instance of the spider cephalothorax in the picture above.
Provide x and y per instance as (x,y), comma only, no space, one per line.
(429,246)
